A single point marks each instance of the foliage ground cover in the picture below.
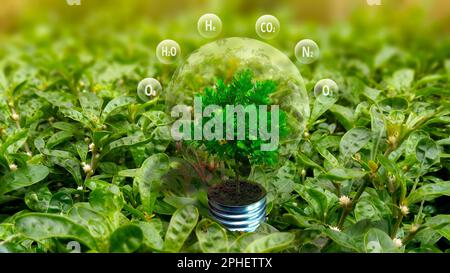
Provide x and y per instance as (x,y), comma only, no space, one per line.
(83,159)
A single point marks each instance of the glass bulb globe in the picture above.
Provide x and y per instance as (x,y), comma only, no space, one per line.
(221,59)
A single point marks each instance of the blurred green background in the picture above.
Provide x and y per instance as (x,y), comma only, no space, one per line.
(120,37)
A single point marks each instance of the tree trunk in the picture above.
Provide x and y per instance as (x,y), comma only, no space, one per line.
(238,183)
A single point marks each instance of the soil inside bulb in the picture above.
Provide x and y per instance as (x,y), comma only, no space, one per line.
(227,193)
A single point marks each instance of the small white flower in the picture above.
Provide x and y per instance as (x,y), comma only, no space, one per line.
(404,210)
(397,242)
(87,140)
(29,154)
(303,172)
(414,228)
(391,178)
(91,147)
(97,156)
(104,127)
(392,140)
(345,201)
(80,188)
(335,228)
(13,167)
(15,116)
(294,204)
(86,167)
(306,134)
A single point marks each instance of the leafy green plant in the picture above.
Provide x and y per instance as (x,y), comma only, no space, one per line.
(242,91)
(83,160)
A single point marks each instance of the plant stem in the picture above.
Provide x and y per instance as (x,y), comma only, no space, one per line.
(415,185)
(344,215)
(346,211)
(394,201)
(397,225)
(89,174)
(411,235)
(238,183)
(236,170)
(419,215)
(13,111)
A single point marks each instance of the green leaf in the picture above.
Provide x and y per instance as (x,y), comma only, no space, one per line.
(271,243)
(61,202)
(308,162)
(82,150)
(128,173)
(124,142)
(107,201)
(345,115)
(401,79)
(241,242)
(376,121)
(377,241)
(316,199)
(211,237)
(7,247)
(298,220)
(393,104)
(40,226)
(427,152)
(365,210)
(9,143)
(91,105)
(340,174)
(341,239)
(384,55)
(152,237)
(75,115)
(65,126)
(97,224)
(441,224)
(58,138)
(114,105)
(149,179)
(321,105)
(181,225)
(354,140)
(23,177)
(38,200)
(68,162)
(429,192)
(126,239)
(328,156)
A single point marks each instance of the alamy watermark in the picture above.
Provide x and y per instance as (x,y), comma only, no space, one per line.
(235,117)
(374,2)
(73,2)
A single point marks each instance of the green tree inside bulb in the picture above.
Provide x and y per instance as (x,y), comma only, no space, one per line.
(242,90)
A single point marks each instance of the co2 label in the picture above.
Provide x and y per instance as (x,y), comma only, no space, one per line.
(267,26)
